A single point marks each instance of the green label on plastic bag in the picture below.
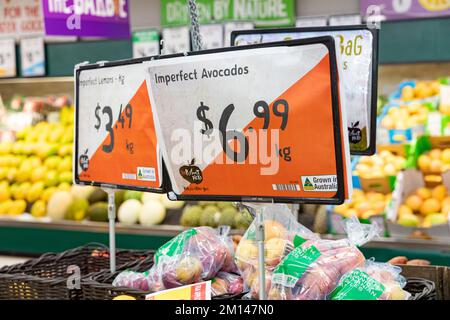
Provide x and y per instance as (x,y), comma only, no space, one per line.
(293,266)
(174,246)
(298,241)
(358,285)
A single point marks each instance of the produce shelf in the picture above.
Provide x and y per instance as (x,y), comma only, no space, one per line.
(37,237)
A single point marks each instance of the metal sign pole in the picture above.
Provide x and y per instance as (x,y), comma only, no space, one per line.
(260,237)
(195,30)
(112,227)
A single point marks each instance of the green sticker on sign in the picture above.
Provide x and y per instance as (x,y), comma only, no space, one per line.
(358,285)
(263,13)
(294,265)
(175,246)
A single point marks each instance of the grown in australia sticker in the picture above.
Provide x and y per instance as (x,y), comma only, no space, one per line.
(322,183)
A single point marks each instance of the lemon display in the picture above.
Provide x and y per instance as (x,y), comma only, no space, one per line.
(36,165)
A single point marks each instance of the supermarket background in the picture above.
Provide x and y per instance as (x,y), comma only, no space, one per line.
(41,211)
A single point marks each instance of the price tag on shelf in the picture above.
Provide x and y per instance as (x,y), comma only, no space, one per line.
(145,43)
(264,122)
(32,56)
(311,22)
(358,69)
(212,36)
(7,58)
(115,139)
(345,20)
(176,40)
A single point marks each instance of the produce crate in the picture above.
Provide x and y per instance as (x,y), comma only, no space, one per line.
(48,277)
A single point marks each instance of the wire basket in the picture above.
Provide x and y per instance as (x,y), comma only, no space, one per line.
(98,286)
(56,275)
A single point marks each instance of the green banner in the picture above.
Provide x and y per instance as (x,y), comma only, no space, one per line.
(263,13)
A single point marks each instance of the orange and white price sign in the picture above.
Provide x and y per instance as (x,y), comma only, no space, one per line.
(115,140)
(255,122)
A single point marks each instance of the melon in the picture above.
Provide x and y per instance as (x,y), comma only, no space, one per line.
(129,211)
(59,204)
(152,213)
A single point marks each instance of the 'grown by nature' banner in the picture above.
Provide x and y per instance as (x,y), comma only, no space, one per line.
(263,13)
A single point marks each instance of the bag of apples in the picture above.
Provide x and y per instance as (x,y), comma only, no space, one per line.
(313,269)
(373,281)
(282,233)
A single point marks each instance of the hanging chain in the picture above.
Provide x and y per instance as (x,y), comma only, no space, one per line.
(195,30)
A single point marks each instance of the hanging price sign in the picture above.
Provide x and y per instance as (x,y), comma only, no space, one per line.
(357,49)
(115,137)
(259,123)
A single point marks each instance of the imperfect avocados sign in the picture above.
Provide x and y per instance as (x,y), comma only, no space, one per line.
(263,13)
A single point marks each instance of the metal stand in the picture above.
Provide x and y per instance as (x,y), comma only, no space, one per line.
(195,31)
(112,227)
(260,235)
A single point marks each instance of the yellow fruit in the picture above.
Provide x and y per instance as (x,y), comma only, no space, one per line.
(424,162)
(363,207)
(388,123)
(64,186)
(350,213)
(341,208)
(273,250)
(38,174)
(38,209)
(407,93)
(408,220)
(5,206)
(368,214)
(51,178)
(436,166)
(445,156)
(273,229)
(65,164)
(22,191)
(430,206)
(389,169)
(424,193)
(435,154)
(246,253)
(47,193)
(434,219)
(52,162)
(404,210)
(11,175)
(5,192)
(439,192)
(35,191)
(414,202)
(18,207)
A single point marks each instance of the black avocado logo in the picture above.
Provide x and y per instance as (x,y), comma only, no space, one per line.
(192,173)
(84,161)
(354,133)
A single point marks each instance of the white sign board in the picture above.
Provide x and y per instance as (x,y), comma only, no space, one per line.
(32,57)
(212,36)
(357,53)
(304,22)
(268,116)
(7,58)
(145,43)
(176,40)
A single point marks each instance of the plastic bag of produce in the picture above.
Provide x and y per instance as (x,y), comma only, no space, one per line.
(373,281)
(131,279)
(313,269)
(282,233)
(227,283)
(195,255)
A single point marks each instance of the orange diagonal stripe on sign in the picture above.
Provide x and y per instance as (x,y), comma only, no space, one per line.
(141,137)
(310,129)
